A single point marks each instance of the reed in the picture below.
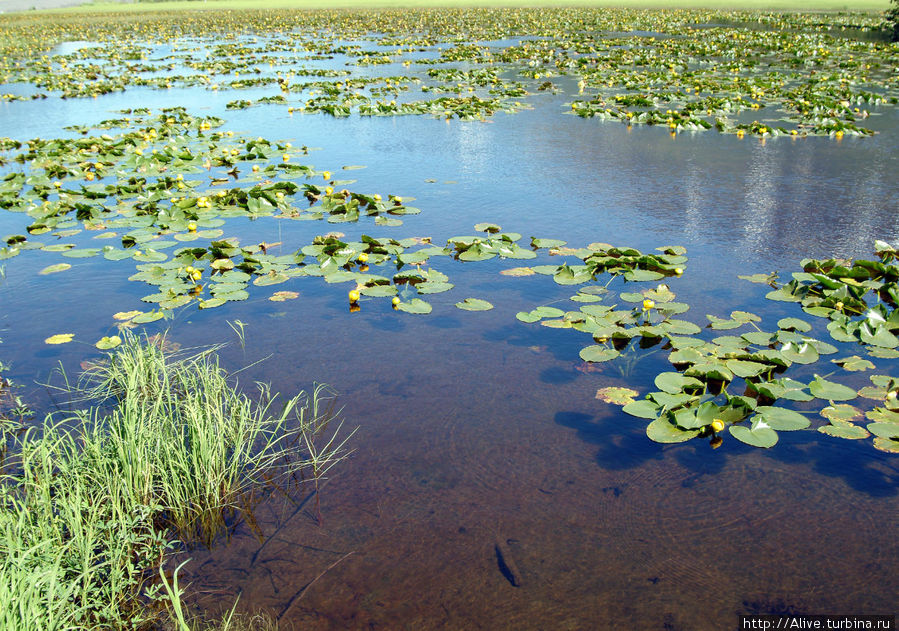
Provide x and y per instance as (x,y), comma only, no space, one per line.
(91,503)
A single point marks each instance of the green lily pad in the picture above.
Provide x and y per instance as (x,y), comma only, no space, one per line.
(662,430)
(781,419)
(854,363)
(416,305)
(844,430)
(106,343)
(642,408)
(53,269)
(841,413)
(80,253)
(474,304)
(758,435)
(888,445)
(431,287)
(830,391)
(270,279)
(211,303)
(794,324)
(598,353)
(547,243)
(675,382)
(379,291)
(147,317)
(884,430)
(59,338)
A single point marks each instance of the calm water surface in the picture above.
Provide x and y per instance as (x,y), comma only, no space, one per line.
(489,488)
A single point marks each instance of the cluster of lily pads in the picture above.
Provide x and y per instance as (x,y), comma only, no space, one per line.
(697,400)
(683,70)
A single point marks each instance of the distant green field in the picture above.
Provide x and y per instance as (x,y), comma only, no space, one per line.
(726,5)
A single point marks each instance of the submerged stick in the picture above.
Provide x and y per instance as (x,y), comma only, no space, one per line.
(303,591)
(507,566)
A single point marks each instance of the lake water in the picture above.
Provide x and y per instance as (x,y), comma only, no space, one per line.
(488,487)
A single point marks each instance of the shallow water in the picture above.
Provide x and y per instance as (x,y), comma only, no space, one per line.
(488,487)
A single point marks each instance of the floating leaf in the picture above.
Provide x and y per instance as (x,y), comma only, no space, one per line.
(888,445)
(106,343)
(884,430)
(758,435)
(150,316)
(59,338)
(281,296)
(211,303)
(416,305)
(518,271)
(643,408)
(841,413)
(598,353)
(53,269)
(616,395)
(781,419)
(474,304)
(794,324)
(854,363)
(844,430)
(662,430)
(675,382)
(81,253)
(828,390)
(546,243)
(126,315)
(376,291)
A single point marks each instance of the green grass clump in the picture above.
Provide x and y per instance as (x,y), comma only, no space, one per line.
(91,504)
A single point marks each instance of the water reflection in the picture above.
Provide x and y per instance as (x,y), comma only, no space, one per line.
(479,432)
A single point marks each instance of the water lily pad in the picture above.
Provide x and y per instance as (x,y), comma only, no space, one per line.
(270,279)
(547,243)
(147,317)
(781,419)
(59,338)
(53,269)
(830,391)
(742,368)
(80,253)
(212,303)
(416,305)
(643,408)
(841,413)
(518,271)
(844,430)
(758,435)
(598,353)
(888,445)
(854,363)
(382,291)
(429,287)
(884,430)
(106,343)
(281,296)
(675,382)
(616,395)
(661,430)
(794,324)
(474,304)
